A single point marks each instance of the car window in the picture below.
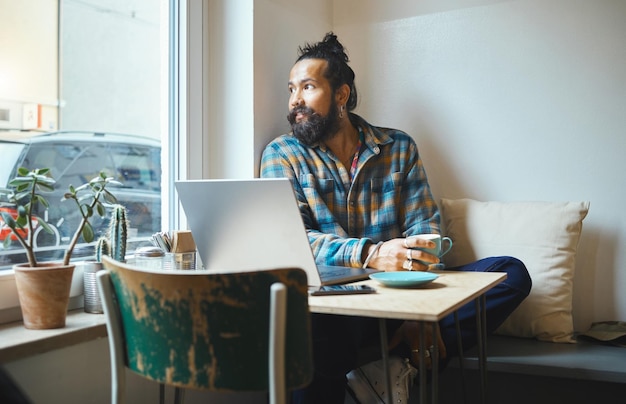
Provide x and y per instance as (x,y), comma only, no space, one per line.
(137,166)
(75,163)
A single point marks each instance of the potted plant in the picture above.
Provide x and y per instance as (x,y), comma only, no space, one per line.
(43,287)
(113,245)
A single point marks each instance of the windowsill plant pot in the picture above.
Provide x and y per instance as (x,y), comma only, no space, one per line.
(43,288)
(44,294)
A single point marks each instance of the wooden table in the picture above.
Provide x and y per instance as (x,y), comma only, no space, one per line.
(428,303)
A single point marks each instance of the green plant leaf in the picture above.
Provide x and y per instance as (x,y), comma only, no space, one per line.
(46,183)
(88,234)
(113,182)
(109,197)
(23,171)
(21,222)
(20,184)
(40,199)
(98,178)
(8,220)
(45,225)
(20,195)
(100,209)
(87,210)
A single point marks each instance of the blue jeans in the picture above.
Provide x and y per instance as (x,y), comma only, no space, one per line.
(337,340)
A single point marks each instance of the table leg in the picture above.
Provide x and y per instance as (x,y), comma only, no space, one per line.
(481,331)
(422,364)
(435,366)
(385,354)
(459,345)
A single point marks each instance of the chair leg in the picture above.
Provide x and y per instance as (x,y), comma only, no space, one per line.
(116,338)
(179,395)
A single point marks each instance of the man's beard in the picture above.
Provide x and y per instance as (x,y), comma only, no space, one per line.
(314,128)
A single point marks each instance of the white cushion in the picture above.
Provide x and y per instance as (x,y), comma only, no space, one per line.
(543,235)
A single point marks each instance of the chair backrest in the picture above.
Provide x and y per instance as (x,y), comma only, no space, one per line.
(203,330)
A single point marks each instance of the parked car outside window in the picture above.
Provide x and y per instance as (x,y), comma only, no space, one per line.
(75,158)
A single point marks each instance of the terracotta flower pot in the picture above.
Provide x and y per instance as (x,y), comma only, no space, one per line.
(44,294)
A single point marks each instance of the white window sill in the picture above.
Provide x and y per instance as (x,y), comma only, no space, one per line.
(17,342)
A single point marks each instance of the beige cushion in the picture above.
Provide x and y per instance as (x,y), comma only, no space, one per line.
(544,235)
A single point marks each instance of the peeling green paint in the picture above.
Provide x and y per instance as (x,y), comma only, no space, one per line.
(199,330)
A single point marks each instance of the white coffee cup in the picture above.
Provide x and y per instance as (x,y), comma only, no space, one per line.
(438,240)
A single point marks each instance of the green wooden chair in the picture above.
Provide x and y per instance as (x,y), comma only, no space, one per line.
(223,332)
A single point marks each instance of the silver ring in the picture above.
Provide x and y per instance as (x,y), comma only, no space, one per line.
(408,254)
(426,354)
(406,244)
(408,265)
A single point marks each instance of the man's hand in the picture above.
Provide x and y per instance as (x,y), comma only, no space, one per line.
(409,333)
(393,255)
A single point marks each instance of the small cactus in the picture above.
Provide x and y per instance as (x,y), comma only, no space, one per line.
(114,245)
(102,248)
(118,233)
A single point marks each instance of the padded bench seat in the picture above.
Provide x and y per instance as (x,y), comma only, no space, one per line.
(522,371)
(584,360)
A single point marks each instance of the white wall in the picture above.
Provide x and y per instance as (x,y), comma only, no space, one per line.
(509,100)
(28,68)
(253,45)
(280,27)
(37,53)
(230,104)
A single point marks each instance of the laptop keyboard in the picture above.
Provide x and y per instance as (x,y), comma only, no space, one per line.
(333,271)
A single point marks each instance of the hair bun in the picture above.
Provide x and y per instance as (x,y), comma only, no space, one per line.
(332,44)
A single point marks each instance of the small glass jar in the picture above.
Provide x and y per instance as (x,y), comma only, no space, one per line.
(186,260)
(149,257)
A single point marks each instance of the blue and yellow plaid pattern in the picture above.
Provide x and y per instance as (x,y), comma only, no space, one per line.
(388,197)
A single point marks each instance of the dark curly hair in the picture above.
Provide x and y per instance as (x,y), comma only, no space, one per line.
(337,72)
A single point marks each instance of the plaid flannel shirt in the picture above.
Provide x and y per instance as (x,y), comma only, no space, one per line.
(388,197)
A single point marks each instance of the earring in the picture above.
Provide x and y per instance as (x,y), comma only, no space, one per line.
(341,111)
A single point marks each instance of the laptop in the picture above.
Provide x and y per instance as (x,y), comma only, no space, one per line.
(254,224)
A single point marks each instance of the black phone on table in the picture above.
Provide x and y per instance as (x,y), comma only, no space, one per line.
(341,290)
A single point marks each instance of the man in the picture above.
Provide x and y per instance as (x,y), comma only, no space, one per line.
(362,193)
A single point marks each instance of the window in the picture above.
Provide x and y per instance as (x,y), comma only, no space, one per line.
(100,68)
(97,68)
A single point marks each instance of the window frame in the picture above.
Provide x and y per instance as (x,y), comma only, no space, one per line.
(187,151)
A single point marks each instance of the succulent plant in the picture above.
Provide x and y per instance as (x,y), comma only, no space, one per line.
(115,244)
(26,193)
(102,248)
